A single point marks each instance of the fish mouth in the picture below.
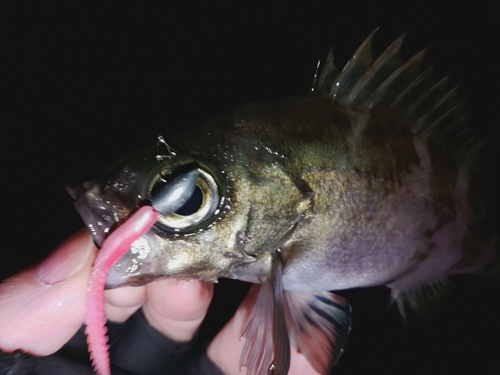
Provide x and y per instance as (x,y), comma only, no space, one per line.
(99,214)
(137,266)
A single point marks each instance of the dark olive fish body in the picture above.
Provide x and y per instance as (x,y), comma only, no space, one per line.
(366,182)
(393,208)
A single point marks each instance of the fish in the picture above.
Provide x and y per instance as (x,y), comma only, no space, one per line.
(371,179)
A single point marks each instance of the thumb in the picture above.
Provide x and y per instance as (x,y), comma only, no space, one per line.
(42,308)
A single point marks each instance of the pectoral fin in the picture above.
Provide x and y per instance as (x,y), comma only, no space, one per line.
(281,340)
(317,325)
(267,342)
(257,354)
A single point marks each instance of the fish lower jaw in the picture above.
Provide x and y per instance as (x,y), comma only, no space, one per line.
(254,279)
(117,280)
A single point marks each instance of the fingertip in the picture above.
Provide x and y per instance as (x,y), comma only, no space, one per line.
(121,303)
(71,257)
(177,307)
(126,297)
(181,300)
(41,308)
(119,314)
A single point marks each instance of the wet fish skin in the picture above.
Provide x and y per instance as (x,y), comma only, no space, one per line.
(358,185)
(298,162)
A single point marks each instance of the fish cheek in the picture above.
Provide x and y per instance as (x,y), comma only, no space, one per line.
(199,256)
(277,204)
(157,255)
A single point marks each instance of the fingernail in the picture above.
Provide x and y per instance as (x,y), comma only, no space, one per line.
(67,259)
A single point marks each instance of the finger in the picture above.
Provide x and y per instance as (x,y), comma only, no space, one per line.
(121,303)
(225,350)
(42,308)
(176,307)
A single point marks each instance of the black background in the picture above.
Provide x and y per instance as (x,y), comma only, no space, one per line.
(84,80)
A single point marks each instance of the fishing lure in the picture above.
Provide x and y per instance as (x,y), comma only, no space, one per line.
(117,244)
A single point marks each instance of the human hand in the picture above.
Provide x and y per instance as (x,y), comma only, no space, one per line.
(42,308)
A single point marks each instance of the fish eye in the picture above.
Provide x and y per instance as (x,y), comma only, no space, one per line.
(186,201)
(193,203)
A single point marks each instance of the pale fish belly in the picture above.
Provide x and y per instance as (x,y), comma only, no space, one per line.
(388,242)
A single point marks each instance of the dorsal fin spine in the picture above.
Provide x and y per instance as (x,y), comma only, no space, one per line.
(427,100)
(446,102)
(377,73)
(325,75)
(449,118)
(354,69)
(414,90)
(386,92)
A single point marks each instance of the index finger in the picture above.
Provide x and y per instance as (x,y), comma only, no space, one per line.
(174,307)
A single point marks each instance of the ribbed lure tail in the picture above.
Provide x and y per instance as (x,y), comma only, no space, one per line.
(116,245)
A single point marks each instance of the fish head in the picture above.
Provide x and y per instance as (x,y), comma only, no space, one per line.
(242,205)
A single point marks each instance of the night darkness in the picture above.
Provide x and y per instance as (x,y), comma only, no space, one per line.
(86,81)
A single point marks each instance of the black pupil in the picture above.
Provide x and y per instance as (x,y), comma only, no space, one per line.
(193,204)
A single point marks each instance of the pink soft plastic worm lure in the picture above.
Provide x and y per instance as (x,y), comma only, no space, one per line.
(112,249)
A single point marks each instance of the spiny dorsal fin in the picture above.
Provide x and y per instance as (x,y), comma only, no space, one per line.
(399,88)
